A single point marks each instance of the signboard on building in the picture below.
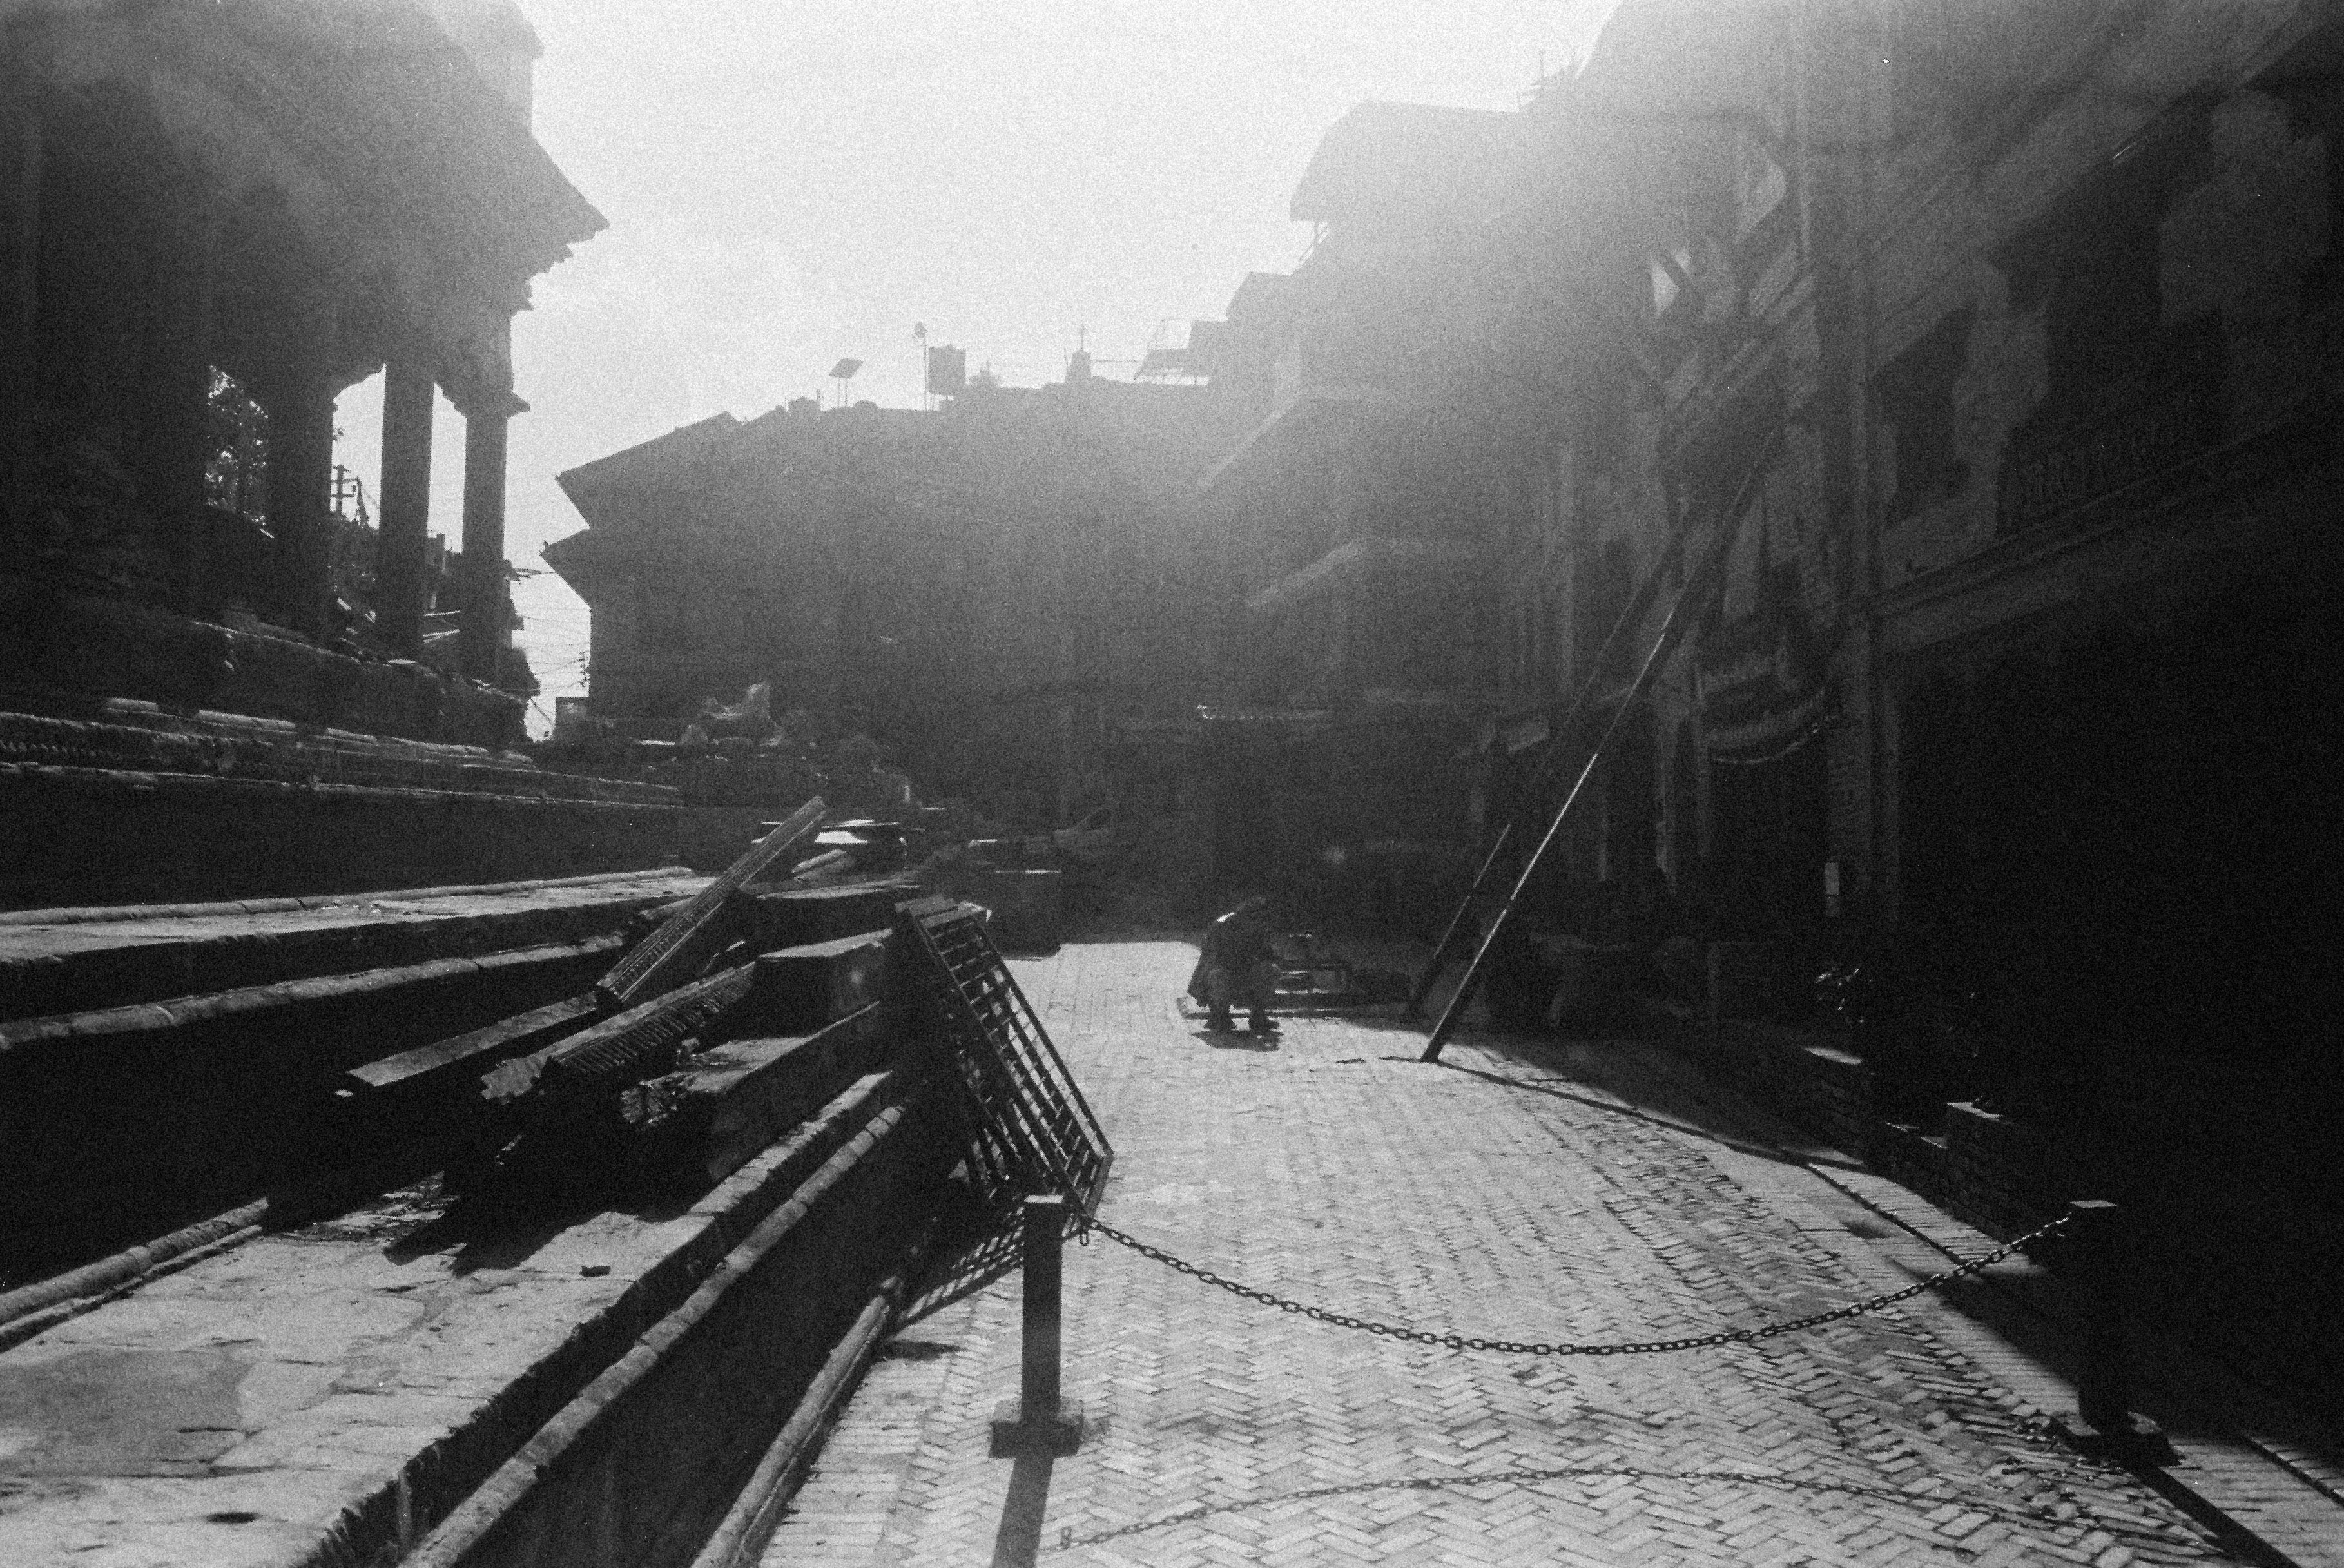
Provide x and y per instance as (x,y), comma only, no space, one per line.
(947,371)
(1763,677)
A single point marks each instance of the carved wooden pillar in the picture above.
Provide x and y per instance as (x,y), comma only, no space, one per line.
(176,423)
(20,216)
(481,633)
(300,494)
(400,558)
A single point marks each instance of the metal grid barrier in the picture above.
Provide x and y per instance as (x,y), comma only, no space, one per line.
(1032,1132)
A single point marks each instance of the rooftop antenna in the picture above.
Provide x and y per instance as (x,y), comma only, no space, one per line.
(844,374)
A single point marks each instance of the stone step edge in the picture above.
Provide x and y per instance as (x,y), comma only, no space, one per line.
(736,1207)
(119,781)
(34,1308)
(31,1309)
(60,1029)
(740,1539)
(151,718)
(82,914)
(223,744)
(48,984)
(508,1486)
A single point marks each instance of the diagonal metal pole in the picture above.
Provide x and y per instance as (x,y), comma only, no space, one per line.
(1430,974)
(1694,598)
(1622,631)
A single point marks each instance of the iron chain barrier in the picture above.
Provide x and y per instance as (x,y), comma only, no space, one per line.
(1522,1347)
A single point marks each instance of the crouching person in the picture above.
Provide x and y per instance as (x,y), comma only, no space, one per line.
(1238,968)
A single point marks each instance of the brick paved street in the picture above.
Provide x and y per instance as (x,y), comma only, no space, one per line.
(1337,1169)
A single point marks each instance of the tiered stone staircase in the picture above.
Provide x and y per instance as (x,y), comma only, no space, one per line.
(589,1367)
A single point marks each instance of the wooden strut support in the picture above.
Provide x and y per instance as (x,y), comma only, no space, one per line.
(672,954)
(1690,603)
(1621,630)
(1585,699)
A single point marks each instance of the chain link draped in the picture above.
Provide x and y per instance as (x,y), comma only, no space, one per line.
(1524,1347)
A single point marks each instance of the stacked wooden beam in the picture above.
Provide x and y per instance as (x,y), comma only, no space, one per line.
(745,1008)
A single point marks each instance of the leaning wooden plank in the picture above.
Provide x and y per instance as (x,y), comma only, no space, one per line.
(671,954)
(522,1032)
(628,1044)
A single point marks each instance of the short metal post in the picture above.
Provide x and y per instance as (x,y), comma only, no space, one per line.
(2103,1375)
(1040,1421)
(1044,1229)
(2100,1394)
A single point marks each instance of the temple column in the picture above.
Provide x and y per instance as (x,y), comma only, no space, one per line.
(481,632)
(20,214)
(401,593)
(177,422)
(300,497)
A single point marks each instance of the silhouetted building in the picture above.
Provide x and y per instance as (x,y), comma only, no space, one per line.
(2013,385)
(214,219)
(989,588)
(2010,339)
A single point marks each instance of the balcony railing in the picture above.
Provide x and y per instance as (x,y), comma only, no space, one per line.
(2078,466)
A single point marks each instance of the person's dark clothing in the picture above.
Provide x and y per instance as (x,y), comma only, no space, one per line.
(1236,966)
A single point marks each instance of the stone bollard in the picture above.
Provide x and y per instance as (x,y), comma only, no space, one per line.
(1039,1420)
(2105,1422)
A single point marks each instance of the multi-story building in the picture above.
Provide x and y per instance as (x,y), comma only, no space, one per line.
(2003,344)
(989,588)
(212,222)
(214,219)
(1375,459)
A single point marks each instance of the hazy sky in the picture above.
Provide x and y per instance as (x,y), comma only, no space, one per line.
(789,183)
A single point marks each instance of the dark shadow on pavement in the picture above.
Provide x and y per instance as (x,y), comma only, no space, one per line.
(1019,1540)
(1917,1502)
(2034,1308)
(1537,1086)
(977,1247)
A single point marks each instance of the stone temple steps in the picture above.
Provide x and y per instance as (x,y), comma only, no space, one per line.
(57,961)
(156,1065)
(123,800)
(438,1379)
(159,1065)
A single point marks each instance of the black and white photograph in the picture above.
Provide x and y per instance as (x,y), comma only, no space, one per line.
(1171,783)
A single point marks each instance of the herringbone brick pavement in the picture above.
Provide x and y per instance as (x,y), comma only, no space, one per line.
(1336,1170)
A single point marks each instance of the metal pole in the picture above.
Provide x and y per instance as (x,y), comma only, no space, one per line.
(1037,1387)
(1040,1421)
(2106,1423)
(1441,949)
(1623,630)
(2101,1396)
(1672,631)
